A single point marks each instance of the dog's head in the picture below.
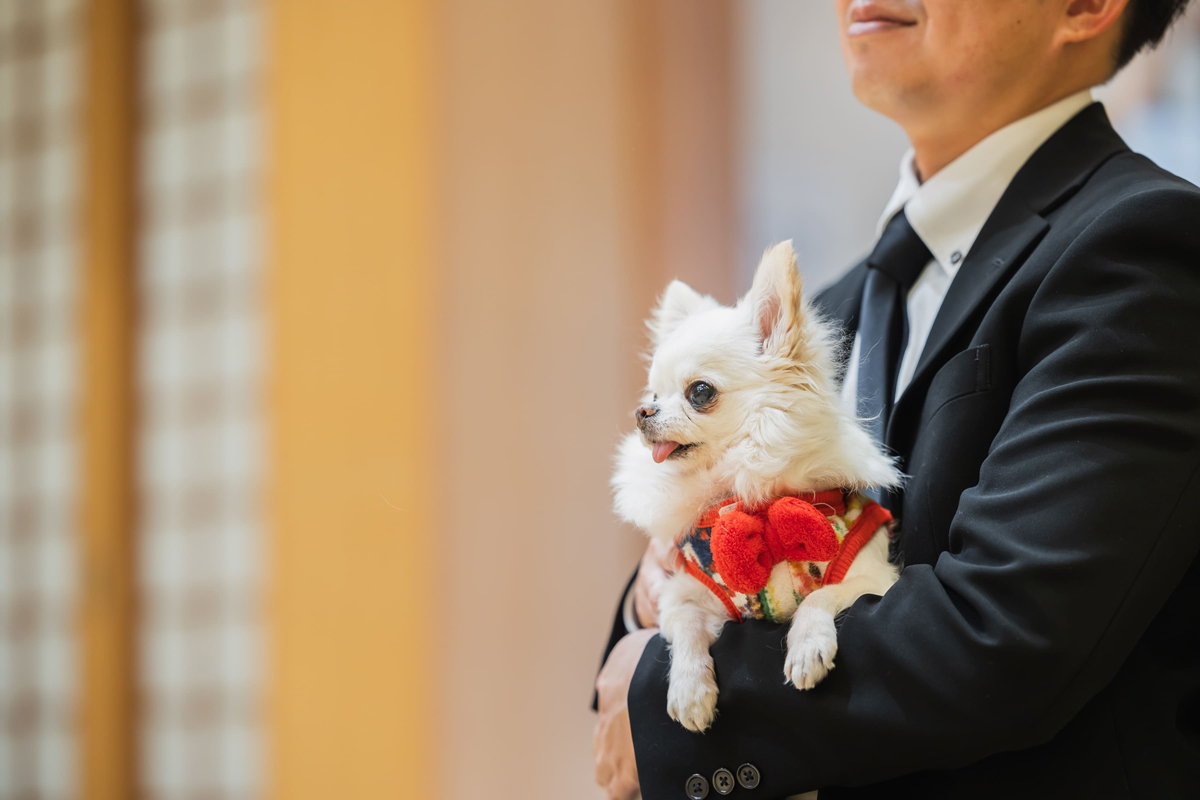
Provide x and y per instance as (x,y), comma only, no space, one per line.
(751,389)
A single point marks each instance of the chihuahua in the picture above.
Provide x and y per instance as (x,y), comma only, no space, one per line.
(746,459)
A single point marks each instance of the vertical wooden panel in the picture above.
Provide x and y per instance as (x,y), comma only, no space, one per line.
(351,430)
(106,476)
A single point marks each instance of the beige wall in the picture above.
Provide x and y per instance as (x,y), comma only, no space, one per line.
(587,157)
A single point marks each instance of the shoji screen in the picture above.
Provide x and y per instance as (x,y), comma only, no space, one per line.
(199,433)
(39,150)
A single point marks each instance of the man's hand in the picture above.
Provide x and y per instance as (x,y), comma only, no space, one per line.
(612,740)
(659,561)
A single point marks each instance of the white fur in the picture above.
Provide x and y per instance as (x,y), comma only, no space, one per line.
(812,637)
(776,428)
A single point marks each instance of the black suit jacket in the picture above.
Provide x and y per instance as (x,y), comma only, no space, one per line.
(1043,640)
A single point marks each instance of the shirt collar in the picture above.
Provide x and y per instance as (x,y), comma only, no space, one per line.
(948,210)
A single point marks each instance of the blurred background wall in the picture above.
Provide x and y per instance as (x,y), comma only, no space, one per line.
(588,157)
(318,324)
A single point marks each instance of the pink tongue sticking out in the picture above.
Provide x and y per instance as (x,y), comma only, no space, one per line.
(662,450)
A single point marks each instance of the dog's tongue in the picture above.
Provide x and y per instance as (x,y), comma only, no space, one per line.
(662,450)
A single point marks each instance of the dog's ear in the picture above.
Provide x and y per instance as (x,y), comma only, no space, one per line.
(677,303)
(774,302)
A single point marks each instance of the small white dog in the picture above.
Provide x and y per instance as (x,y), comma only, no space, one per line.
(742,409)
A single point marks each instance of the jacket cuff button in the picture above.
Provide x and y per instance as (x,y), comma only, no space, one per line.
(696,787)
(722,782)
(747,776)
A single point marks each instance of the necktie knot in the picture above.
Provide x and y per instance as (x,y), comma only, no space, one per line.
(900,253)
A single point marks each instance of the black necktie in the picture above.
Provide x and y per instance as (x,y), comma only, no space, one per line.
(892,268)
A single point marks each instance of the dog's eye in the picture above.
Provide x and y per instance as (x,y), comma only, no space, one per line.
(700,394)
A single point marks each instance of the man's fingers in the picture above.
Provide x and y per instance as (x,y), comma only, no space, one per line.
(623,790)
(646,610)
(604,775)
(618,789)
(604,768)
(654,592)
(663,555)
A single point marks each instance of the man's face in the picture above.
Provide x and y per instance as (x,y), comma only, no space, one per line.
(935,59)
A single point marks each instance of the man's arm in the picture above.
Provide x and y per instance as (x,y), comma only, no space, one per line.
(638,607)
(618,630)
(1081,524)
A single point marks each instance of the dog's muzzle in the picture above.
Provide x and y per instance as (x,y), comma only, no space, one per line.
(645,415)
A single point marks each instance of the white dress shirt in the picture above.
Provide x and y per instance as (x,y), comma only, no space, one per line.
(948,211)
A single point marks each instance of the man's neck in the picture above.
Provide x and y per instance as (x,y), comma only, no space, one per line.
(936,146)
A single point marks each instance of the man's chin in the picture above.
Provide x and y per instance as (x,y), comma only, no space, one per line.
(878,86)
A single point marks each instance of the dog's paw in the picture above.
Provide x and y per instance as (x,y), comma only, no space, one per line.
(692,700)
(811,644)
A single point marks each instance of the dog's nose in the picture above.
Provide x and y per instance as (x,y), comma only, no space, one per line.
(645,411)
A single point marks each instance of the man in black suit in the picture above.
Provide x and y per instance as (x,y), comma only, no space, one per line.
(1027,331)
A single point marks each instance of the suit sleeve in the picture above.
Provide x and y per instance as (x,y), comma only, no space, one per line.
(1081,524)
(616,632)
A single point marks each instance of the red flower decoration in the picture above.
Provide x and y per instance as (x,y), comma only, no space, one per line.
(747,545)
(804,533)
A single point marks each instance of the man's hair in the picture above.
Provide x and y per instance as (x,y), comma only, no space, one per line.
(1145,24)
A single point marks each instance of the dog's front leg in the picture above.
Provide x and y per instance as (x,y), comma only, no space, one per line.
(812,637)
(691,619)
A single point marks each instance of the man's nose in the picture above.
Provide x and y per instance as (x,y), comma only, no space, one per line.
(644,412)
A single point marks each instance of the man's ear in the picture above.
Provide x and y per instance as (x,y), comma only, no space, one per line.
(1090,19)
(677,303)
(774,302)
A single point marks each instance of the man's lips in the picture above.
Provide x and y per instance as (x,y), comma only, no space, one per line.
(868,18)
(874,26)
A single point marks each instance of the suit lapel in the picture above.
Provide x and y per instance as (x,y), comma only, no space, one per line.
(842,300)
(1016,225)
(991,260)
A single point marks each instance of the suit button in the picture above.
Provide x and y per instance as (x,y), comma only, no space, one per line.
(722,782)
(696,788)
(748,776)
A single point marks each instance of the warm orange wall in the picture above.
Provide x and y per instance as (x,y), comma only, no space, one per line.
(348,301)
